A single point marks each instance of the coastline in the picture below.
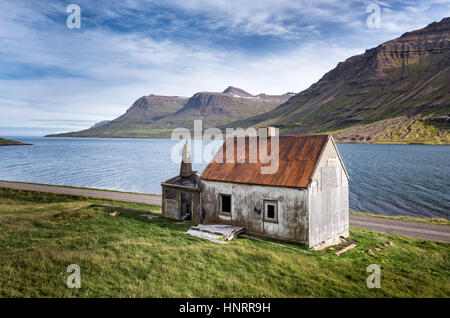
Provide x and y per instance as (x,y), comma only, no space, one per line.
(337,140)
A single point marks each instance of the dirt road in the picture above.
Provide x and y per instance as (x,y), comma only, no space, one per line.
(434,232)
(100,194)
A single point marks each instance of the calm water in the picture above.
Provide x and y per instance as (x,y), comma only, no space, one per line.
(386,179)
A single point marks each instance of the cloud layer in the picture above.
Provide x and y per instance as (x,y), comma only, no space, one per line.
(64,79)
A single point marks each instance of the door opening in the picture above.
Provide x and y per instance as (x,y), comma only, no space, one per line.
(185,206)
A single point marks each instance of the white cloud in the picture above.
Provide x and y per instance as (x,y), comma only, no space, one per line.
(286,18)
(103,72)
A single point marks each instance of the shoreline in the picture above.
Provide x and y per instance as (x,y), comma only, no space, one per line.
(21,144)
(168,138)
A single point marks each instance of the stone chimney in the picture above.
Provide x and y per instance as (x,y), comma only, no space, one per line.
(186,165)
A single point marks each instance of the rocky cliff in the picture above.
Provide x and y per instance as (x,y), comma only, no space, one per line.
(406,79)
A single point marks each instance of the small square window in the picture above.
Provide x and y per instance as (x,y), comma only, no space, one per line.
(271,211)
(225,203)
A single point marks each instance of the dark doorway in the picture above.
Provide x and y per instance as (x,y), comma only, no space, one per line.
(186,206)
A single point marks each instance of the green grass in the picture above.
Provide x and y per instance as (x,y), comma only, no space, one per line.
(440,221)
(131,256)
(415,132)
(400,130)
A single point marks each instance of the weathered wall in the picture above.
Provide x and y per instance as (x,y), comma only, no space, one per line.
(292,209)
(170,207)
(328,199)
(171,204)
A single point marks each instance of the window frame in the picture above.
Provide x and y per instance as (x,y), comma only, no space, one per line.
(221,195)
(266,203)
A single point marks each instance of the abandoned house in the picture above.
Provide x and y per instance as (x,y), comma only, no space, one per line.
(304,201)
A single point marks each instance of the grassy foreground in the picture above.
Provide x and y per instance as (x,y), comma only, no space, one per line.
(131,256)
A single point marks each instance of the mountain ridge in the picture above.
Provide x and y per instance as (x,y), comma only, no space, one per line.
(407,78)
(156,115)
(396,92)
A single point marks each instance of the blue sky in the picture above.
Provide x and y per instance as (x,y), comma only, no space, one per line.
(56,79)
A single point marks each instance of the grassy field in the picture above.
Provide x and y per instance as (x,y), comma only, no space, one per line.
(131,256)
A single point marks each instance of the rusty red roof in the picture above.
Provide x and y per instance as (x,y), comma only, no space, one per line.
(298,157)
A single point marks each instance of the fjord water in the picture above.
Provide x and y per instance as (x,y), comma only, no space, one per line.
(411,180)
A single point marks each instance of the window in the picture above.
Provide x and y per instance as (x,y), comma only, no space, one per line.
(225,203)
(271,211)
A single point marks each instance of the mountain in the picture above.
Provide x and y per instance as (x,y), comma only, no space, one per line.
(396,92)
(101,123)
(217,109)
(236,92)
(156,116)
(145,111)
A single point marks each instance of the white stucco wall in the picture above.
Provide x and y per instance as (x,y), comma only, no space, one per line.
(292,207)
(328,199)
